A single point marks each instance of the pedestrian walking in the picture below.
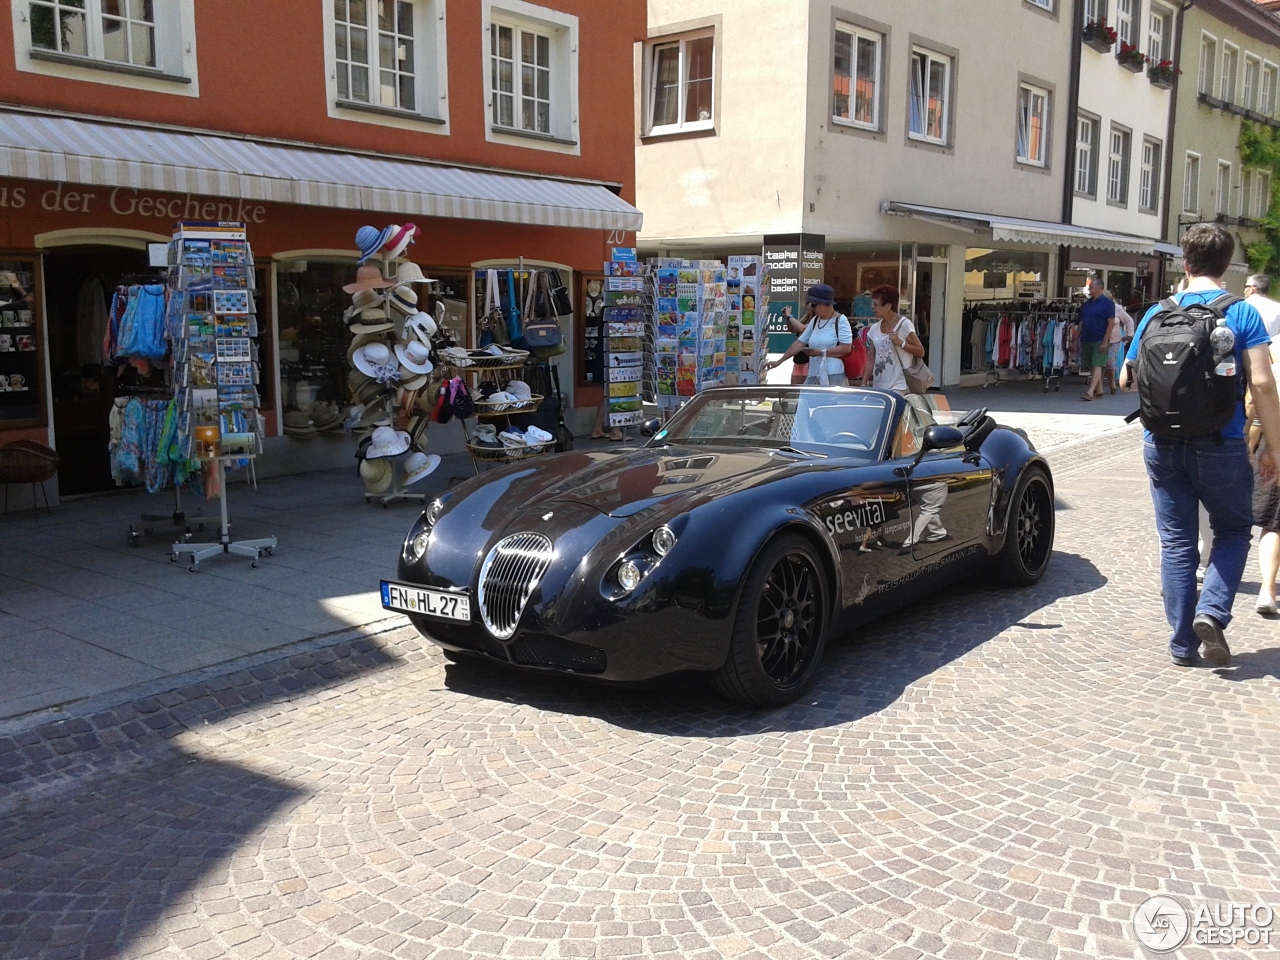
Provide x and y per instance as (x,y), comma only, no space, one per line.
(1186,361)
(826,339)
(1266,504)
(887,341)
(1118,346)
(1256,289)
(1097,319)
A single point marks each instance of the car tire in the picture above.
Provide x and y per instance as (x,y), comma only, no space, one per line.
(1028,536)
(773,657)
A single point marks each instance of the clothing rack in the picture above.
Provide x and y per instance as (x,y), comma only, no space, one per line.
(1022,340)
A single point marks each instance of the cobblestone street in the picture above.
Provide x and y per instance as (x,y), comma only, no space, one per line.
(993,773)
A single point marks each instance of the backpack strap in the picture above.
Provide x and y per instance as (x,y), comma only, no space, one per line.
(1224,301)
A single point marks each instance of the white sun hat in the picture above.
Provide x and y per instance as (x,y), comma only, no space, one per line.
(376,360)
(387,442)
(422,326)
(418,465)
(415,355)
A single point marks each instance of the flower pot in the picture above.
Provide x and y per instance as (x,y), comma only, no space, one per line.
(1132,64)
(1101,44)
(1163,83)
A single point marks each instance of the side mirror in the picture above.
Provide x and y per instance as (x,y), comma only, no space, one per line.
(650,427)
(942,437)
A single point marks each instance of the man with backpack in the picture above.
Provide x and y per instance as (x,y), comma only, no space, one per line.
(1191,358)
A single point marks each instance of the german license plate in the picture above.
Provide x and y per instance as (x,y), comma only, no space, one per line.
(410,598)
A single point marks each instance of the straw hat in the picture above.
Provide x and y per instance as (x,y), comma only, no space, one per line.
(387,442)
(376,360)
(415,356)
(411,273)
(377,475)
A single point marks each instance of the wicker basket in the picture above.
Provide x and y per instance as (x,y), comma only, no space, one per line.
(481,360)
(487,408)
(510,453)
(25,461)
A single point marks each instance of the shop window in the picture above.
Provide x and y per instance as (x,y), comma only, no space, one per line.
(1249,95)
(930,96)
(681,84)
(1118,166)
(1159,33)
(856,77)
(1149,177)
(1086,156)
(1043,4)
(1230,66)
(1208,65)
(21,357)
(532,73)
(1191,184)
(1222,200)
(1126,22)
(1267,90)
(1033,124)
(1262,195)
(313,337)
(386,58)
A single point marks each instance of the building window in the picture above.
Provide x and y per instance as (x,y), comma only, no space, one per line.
(1246,193)
(1191,184)
(1159,33)
(681,87)
(1267,91)
(1149,178)
(856,77)
(375,52)
(1095,10)
(1033,124)
(1208,64)
(1230,63)
(1045,4)
(1086,156)
(1118,166)
(121,31)
(521,76)
(1126,28)
(1252,66)
(1223,198)
(930,96)
(1262,195)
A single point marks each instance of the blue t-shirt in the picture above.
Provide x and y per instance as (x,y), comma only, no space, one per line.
(1245,322)
(1094,314)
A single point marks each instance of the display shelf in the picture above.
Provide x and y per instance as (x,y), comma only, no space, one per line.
(21,349)
(487,408)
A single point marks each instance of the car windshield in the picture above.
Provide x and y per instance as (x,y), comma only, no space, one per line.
(828,421)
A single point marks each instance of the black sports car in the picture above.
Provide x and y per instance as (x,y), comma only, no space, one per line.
(756,524)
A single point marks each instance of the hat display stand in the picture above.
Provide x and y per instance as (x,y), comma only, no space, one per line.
(501,370)
(212,325)
(388,352)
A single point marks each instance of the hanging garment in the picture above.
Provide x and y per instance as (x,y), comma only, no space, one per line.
(127,455)
(91,322)
(142,331)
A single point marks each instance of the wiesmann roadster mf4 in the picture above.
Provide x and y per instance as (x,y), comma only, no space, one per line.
(751,528)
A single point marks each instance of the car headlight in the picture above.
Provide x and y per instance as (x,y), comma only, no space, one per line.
(628,575)
(432,513)
(664,539)
(415,545)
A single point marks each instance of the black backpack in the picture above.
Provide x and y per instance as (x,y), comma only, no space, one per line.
(1179,392)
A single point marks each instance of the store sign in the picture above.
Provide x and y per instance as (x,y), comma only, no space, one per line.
(1032,290)
(795,262)
(127,202)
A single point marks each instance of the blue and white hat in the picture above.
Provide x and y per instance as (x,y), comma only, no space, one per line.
(370,240)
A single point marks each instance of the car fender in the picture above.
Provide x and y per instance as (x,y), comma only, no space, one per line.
(1009,456)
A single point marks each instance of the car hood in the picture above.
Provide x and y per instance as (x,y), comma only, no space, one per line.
(624,483)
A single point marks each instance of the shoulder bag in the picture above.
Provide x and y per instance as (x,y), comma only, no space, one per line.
(542,334)
(916,372)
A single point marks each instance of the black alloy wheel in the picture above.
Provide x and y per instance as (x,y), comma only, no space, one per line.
(1029,536)
(787,619)
(779,629)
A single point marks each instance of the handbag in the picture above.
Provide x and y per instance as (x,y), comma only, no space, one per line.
(493,325)
(855,361)
(514,324)
(561,304)
(542,335)
(914,370)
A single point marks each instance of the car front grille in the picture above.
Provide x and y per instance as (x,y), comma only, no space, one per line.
(508,578)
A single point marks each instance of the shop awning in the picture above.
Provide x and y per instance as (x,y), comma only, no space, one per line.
(1015,230)
(67,149)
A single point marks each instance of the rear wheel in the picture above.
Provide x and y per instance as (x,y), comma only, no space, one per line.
(1028,538)
(779,629)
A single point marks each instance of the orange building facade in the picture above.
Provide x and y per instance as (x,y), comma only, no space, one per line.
(502,128)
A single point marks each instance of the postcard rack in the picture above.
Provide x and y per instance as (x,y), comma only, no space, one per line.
(212,325)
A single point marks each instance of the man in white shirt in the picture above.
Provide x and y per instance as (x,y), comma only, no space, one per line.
(1121,334)
(1256,289)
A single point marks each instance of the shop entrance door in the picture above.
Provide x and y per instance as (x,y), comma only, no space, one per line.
(930,310)
(84,384)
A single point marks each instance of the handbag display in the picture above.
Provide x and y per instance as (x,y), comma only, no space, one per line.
(493,325)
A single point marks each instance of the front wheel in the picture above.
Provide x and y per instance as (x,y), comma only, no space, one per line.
(1028,537)
(779,629)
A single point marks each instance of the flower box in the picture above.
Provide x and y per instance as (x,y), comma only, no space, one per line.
(1163,74)
(1129,57)
(1101,44)
(1099,36)
(1163,83)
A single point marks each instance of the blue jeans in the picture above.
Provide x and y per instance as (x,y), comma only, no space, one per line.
(1184,474)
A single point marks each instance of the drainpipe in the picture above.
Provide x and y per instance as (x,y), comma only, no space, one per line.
(1073,107)
(1173,116)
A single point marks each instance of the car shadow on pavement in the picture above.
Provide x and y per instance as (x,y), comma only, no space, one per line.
(106,823)
(862,674)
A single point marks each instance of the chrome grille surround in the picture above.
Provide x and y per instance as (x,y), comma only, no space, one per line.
(508,577)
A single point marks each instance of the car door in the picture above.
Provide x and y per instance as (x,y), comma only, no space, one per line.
(950,493)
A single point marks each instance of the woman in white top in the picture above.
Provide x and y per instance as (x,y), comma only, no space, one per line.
(890,343)
(826,339)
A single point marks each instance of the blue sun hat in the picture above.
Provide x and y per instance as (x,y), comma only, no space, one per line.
(370,240)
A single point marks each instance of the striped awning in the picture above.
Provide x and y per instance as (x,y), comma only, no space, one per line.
(1018,230)
(71,150)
